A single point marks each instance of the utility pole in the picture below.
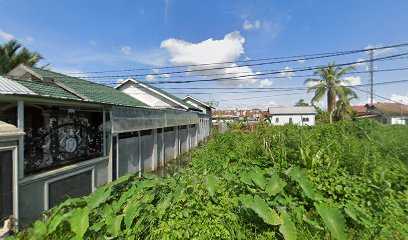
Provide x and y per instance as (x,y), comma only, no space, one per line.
(371,69)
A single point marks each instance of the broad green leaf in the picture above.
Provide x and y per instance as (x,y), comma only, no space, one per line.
(358,215)
(150,176)
(246,178)
(265,212)
(178,192)
(228,176)
(212,183)
(288,228)
(307,187)
(258,179)
(311,222)
(39,228)
(161,207)
(97,226)
(113,224)
(98,197)
(55,221)
(275,185)
(333,220)
(79,221)
(130,212)
(246,200)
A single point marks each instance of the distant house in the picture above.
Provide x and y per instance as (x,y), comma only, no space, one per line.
(153,96)
(205,108)
(231,115)
(360,110)
(303,116)
(389,113)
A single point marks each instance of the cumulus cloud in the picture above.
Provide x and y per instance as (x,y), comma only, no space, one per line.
(5,36)
(126,50)
(228,49)
(354,80)
(265,83)
(248,25)
(150,78)
(287,72)
(400,98)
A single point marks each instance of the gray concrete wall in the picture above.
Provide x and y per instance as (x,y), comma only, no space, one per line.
(183,133)
(169,139)
(160,149)
(128,155)
(147,152)
(31,199)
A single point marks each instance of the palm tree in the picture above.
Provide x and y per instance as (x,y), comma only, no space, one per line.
(11,56)
(332,83)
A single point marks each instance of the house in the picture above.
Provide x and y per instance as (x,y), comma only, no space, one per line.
(72,136)
(360,110)
(239,114)
(157,98)
(303,116)
(205,108)
(389,113)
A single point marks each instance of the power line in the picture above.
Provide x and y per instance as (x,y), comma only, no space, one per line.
(388,99)
(298,57)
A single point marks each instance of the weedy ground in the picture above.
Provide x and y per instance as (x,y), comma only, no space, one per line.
(340,181)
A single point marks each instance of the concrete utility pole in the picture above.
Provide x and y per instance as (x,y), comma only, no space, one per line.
(371,69)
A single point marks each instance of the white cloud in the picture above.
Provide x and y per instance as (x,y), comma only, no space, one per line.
(287,72)
(93,43)
(151,78)
(126,50)
(165,75)
(354,80)
(73,72)
(248,25)
(265,83)
(361,62)
(5,36)
(29,39)
(400,98)
(301,61)
(228,49)
(156,70)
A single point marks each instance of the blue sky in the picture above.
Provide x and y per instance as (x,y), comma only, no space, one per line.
(84,36)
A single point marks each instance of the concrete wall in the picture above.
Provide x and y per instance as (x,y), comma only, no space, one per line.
(398,120)
(296,119)
(183,135)
(169,148)
(128,155)
(147,152)
(32,199)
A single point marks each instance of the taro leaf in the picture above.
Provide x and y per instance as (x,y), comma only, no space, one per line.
(275,185)
(97,226)
(114,224)
(246,178)
(161,207)
(79,221)
(258,179)
(39,228)
(130,213)
(307,187)
(311,222)
(178,192)
(212,183)
(55,221)
(150,176)
(358,215)
(98,197)
(288,228)
(265,212)
(333,220)
(228,176)
(246,200)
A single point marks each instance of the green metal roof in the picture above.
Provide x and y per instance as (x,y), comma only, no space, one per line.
(93,91)
(47,89)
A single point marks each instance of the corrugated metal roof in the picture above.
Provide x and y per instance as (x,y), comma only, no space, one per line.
(392,109)
(291,110)
(8,86)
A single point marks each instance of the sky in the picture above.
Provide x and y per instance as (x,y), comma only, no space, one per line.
(145,38)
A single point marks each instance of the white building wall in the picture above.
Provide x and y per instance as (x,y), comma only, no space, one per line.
(146,96)
(296,119)
(397,120)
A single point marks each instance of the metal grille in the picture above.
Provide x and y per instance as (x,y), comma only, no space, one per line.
(6,186)
(71,187)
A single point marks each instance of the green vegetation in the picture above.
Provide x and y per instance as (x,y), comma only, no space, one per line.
(346,180)
(332,84)
(11,55)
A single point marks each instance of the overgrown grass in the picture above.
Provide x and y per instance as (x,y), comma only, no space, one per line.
(346,180)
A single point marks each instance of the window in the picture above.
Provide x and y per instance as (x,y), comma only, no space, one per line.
(276,120)
(290,120)
(305,119)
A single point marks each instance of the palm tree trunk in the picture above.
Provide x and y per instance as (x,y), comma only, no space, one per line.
(331,102)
